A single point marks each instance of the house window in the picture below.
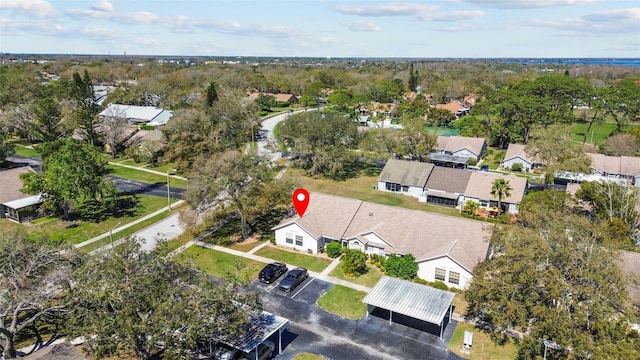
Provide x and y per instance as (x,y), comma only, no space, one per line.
(405,188)
(393,187)
(440,274)
(454,277)
(289,239)
(298,240)
(484,203)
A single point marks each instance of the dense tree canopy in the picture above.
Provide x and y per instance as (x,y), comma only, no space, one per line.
(34,272)
(144,302)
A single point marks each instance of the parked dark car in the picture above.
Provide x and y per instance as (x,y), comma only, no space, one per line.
(293,279)
(272,272)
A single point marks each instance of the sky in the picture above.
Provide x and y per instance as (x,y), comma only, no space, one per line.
(324,28)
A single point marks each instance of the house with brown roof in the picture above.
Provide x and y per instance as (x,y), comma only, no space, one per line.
(14,204)
(455,107)
(288,98)
(446,248)
(616,167)
(479,190)
(406,177)
(461,146)
(445,186)
(516,154)
(383,109)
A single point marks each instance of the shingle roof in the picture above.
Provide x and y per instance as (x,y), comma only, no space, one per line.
(11,184)
(481,182)
(517,150)
(132,112)
(448,179)
(406,172)
(411,299)
(422,234)
(622,165)
(455,143)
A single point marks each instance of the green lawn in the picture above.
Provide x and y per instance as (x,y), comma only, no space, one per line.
(144,176)
(246,247)
(77,232)
(307,356)
(460,304)
(221,264)
(495,158)
(309,262)
(25,151)
(483,347)
(362,188)
(344,301)
(597,134)
(369,279)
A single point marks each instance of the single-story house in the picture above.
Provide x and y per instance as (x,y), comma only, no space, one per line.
(455,108)
(407,177)
(461,146)
(479,190)
(616,167)
(516,154)
(135,114)
(288,98)
(445,186)
(446,248)
(14,204)
(383,109)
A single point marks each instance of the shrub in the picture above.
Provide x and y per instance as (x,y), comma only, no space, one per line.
(379,264)
(263,113)
(440,285)
(472,161)
(404,267)
(420,280)
(516,167)
(334,249)
(384,271)
(354,262)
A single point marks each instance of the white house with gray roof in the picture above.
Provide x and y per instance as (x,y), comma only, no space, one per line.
(516,154)
(406,177)
(446,248)
(134,114)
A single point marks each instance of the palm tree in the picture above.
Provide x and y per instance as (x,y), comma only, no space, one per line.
(501,189)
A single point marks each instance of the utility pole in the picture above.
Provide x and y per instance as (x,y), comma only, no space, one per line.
(111,234)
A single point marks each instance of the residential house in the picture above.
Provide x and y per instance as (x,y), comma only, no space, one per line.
(288,98)
(14,204)
(516,154)
(446,248)
(445,186)
(406,177)
(623,170)
(455,108)
(383,109)
(479,190)
(134,114)
(461,146)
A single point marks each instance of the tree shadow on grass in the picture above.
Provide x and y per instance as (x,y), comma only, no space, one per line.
(357,167)
(124,205)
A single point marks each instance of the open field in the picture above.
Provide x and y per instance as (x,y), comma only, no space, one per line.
(344,301)
(483,347)
(309,262)
(221,264)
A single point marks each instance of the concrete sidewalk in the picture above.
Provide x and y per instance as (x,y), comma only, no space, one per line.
(128,225)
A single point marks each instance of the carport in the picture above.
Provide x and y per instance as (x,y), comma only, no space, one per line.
(260,328)
(410,299)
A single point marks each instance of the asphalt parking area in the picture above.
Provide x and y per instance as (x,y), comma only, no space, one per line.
(309,291)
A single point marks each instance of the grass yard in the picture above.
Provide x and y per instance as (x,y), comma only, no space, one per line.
(221,264)
(362,188)
(144,176)
(77,232)
(309,262)
(25,151)
(483,347)
(245,247)
(307,356)
(460,304)
(369,279)
(597,134)
(495,158)
(343,301)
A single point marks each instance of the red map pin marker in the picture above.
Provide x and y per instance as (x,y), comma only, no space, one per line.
(301,200)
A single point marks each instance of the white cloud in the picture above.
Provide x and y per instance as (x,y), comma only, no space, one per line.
(525,4)
(37,8)
(631,14)
(389,9)
(102,5)
(599,23)
(365,25)
(455,15)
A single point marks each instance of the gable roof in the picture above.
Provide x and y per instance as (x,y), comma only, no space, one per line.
(284,97)
(518,150)
(422,234)
(456,143)
(11,184)
(133,112)
(448,179)
(622,165)
(406,172)
(453,106)
(481,182)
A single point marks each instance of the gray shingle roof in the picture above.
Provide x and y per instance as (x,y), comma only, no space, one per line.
(455,143)
(622,165)
(481,182)
(11,184)
(406,172)
(411,299)
(448,179)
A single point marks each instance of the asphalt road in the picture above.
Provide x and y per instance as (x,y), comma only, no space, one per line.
(315,331)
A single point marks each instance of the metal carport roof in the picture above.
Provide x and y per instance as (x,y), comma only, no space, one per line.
(260,327)
(411,299)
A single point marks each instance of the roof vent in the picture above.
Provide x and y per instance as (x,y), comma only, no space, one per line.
(370,214)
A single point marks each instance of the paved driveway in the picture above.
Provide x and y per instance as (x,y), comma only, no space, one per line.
(315,331)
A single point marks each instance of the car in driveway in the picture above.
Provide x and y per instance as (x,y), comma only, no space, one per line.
(272,272)
(293,278)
